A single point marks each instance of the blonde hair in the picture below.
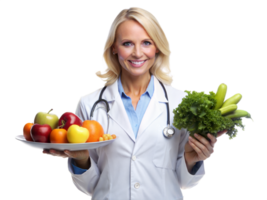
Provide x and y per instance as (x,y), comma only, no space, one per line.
(160,68)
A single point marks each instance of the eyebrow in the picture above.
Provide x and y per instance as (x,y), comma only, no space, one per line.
(131,40)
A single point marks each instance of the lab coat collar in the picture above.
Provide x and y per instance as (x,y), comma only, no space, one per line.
(118,113)
(111,92)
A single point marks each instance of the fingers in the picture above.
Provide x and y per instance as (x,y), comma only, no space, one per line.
(202,152)
(212,138)
(221,133)
(54,152)
(202,146)
(78,155)
(203,143)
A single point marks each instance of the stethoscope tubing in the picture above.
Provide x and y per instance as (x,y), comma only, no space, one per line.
(167,132)
(167,104)
(107,106)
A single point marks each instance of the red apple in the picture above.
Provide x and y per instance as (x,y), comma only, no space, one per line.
(41,133)
(68,119)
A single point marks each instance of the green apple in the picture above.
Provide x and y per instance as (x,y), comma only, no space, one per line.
(77,134)
(46,118)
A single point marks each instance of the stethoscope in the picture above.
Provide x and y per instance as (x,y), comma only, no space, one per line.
(168,131)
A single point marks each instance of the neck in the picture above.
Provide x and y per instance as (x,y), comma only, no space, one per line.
(135,86)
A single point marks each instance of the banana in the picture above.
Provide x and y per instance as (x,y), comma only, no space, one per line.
(238,114)
(220,95)
(232,100)
(228,109)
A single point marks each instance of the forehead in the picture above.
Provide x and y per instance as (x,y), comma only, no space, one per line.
(131,29)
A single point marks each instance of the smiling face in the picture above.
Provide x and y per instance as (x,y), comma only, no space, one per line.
(136,50)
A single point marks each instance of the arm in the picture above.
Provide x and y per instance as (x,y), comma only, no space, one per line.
(189,165)
(86,180)
(199,148)
(83,164)
(84,172)
(188,176)
(80,167)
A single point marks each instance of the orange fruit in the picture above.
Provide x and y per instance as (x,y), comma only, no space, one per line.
(27,131)
(95,130)
(59,136)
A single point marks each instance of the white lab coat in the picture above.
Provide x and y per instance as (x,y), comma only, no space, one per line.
(147,167)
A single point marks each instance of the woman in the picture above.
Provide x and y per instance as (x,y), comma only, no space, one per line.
(140,163)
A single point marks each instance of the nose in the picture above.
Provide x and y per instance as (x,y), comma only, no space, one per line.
(137,51)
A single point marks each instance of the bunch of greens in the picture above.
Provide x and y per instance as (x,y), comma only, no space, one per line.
(196,113)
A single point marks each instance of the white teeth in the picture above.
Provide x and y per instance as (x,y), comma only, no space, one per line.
(137,63)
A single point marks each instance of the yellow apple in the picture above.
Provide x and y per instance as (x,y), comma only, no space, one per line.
(77,134)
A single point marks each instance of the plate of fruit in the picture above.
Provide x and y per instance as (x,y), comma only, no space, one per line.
(66,133)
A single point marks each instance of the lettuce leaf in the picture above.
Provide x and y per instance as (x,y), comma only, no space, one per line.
(196,114)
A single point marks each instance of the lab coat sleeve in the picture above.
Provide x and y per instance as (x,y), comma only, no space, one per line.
(86,181)
(186,180)
(196,167)
(77,170)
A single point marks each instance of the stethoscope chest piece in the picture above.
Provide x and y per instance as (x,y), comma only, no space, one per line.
(168,132)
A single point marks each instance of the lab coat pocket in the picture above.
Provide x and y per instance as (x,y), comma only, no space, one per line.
(166,151)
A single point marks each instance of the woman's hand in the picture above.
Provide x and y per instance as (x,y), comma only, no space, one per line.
(63,155)
(199,148)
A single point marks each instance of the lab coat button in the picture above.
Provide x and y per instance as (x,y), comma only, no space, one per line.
(137,185)
(134,158)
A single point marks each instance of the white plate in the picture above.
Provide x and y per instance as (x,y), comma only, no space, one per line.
(64,146)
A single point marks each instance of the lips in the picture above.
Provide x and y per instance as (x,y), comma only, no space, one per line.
(137,63)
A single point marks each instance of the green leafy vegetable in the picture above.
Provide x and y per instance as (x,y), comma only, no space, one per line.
(196,113)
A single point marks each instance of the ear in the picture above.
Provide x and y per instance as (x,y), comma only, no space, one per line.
(157,51)
(113,50)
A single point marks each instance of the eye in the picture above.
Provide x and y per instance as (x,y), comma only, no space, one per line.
(147,43)
(126,44)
